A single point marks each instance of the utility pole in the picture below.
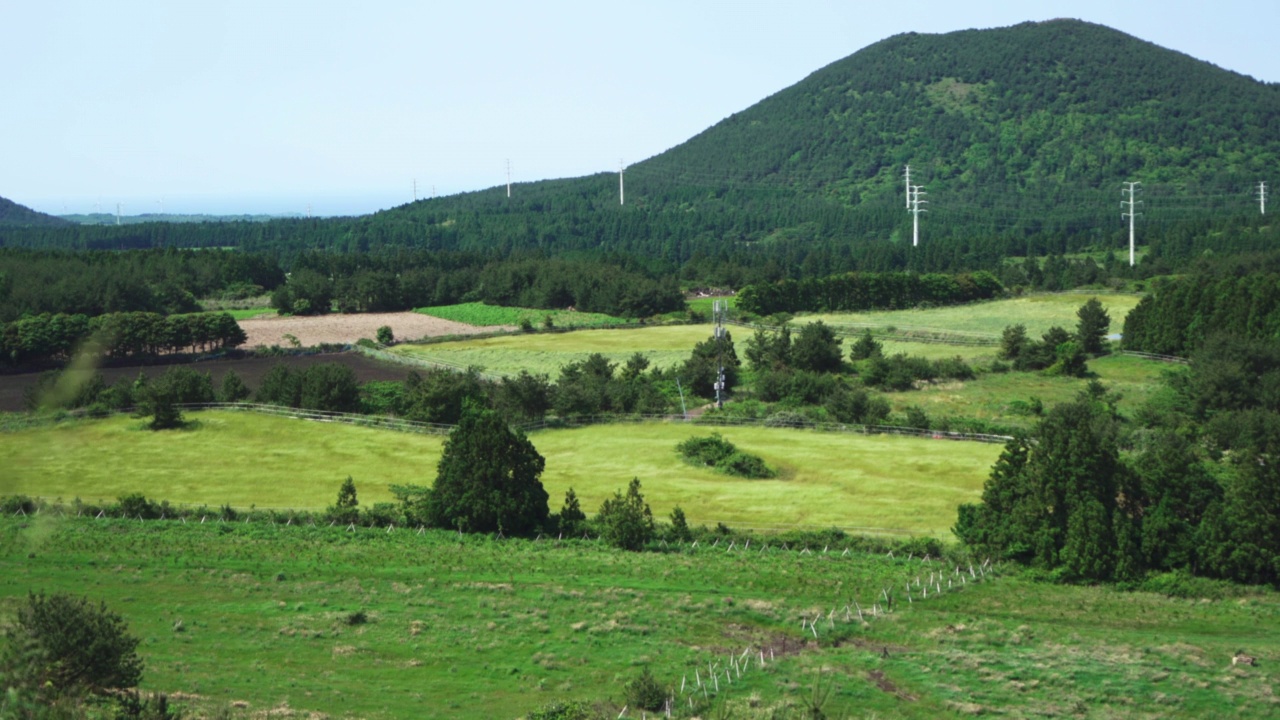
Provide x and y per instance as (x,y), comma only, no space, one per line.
(508,177)
(720,308)
(1132,189)
(908,176)
(914,208)
(1262,197)
(622,193)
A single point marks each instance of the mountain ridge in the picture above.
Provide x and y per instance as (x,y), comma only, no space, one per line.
(14,215)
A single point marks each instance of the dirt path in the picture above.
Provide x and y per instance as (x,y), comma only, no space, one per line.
(349,328)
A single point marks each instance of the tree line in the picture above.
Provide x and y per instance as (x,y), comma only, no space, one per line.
(1182,313)
(48,337)
(1188,486)
(867,291)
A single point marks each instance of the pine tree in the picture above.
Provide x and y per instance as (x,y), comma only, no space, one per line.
(488,478)
(1091,330)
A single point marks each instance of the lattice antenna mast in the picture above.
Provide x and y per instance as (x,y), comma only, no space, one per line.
(508,177)
(622,191)
(1262,197)
(720,309)
(908,177)
(117,213)
(1132,189)
(916,201)
(415,189)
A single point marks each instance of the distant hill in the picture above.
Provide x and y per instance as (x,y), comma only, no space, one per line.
(109,219)
(14,215)
(1017,131)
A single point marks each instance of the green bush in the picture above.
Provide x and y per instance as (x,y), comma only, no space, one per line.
(563,711)
(645,692)
(708,451)
(385,335)
(743,465)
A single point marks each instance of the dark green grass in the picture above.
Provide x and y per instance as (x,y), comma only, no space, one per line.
(479,628)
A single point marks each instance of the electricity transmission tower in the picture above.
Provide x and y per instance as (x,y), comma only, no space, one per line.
(508,178)
(720,311)
(913,206)
(1262,197)
(1132,189)
(622,192)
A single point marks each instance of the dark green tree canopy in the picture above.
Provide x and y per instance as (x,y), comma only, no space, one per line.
(1092,328)
(84,646)
(488,478)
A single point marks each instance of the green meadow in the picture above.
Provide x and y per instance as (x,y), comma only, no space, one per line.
(546,353)
(887,484)
(1038,312)
(269,620)
(478,313)
(1003,397)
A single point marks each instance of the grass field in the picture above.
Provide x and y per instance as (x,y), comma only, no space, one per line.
(904,485)
(546,353)
(477,313)
(250,313)
(1037,312)
(257,616)
(992,395)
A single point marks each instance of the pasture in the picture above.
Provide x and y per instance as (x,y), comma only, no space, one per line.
(888,484)
(1038,312)
(546,353)
(264,618)
(478,313)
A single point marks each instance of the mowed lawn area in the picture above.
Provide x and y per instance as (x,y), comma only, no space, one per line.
(1037,312)
(875,483)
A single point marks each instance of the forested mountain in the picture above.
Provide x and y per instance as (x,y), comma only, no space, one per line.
(13,214)
(1021,136)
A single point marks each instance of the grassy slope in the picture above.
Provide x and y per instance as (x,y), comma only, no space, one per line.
(828,479)
(989,396)
(1037,312)
(478,628)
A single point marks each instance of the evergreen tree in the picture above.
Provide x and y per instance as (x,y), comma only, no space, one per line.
(626,522)
(816,349)
(233,388)
(345,510)
(1092,327)
(866,347)
(488,478)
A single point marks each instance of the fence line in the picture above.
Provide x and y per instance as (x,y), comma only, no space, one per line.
(1160,358)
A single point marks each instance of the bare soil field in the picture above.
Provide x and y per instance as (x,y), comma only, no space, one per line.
(313,330)
(250,369)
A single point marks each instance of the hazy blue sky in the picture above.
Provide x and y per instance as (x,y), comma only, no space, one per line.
(268,106)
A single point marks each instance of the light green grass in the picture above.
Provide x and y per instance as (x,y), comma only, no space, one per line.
(886,483)
(901,485)
(546,353)
(1037,312)
(250,313)
(990,396)
(226,457)
(477,313)
(706,305)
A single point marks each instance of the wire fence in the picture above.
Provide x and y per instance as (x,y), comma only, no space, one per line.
(1160,358)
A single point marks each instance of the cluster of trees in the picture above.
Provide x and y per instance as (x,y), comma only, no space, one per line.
(1191,486)
(867,291)
(1181,313)
(1060,352)
(164,281)
(55,337)
(538,282)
